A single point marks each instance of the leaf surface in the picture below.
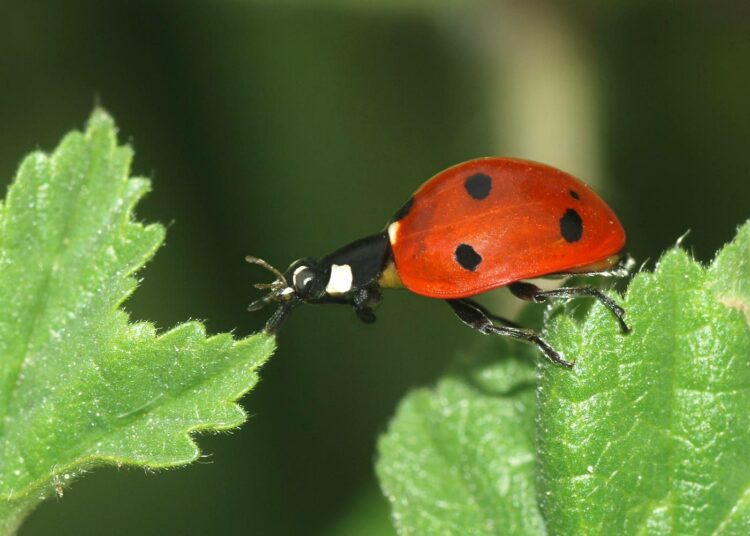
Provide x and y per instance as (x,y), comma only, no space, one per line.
(650,432)
(459,459)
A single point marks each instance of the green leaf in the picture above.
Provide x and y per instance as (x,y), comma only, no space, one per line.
(79,384)
(459,459)
(649,433)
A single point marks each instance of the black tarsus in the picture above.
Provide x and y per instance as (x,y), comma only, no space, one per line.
(365,314)
(529,292)
(475,316)
(280,315)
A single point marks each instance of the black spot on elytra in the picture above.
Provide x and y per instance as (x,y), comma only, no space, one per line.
(404,210)
(467,257)
(571,226)
(575,195)
(478,186)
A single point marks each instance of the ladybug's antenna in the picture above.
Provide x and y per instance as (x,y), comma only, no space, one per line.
(260,262)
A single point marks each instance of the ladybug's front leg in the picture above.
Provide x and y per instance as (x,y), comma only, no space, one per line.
(474,315)
(365,301)
(280,315)
(529,292)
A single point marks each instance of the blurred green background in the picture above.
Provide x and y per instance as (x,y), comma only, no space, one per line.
(286,129)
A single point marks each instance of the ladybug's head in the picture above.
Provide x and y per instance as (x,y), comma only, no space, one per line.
(304,281)
(308,278)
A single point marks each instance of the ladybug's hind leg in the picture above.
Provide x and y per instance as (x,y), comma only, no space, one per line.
(474,315)
(529,292)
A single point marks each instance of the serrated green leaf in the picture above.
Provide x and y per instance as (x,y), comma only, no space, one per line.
(79,385)
(650,432)
(459,459)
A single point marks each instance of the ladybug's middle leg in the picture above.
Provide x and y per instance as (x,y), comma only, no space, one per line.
(474,315)
(491,315)
(529,292)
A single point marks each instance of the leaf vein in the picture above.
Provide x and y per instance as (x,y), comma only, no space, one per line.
(41,300)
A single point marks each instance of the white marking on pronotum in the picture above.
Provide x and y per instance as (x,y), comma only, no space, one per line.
(341,279)
(393,232)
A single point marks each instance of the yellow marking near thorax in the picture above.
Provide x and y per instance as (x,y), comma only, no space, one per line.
(389,277)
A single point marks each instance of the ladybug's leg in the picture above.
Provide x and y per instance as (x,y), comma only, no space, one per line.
(475,316)
(622,268)
(279,316)
(490,315)
(365,314)
(365,301)
(527,291)
(363,311)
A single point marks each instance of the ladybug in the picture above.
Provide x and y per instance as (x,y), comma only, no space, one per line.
(483,224)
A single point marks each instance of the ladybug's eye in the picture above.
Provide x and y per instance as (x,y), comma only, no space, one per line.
(303,279)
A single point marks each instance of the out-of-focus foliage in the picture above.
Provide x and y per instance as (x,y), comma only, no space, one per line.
(80,386)
(332,117)
(427,7)
(460,459)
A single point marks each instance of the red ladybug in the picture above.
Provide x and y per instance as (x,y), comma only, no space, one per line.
(479,225)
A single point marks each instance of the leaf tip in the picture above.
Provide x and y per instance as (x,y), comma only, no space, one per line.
(100,118)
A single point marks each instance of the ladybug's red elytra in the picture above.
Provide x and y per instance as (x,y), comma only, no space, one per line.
(483,224)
